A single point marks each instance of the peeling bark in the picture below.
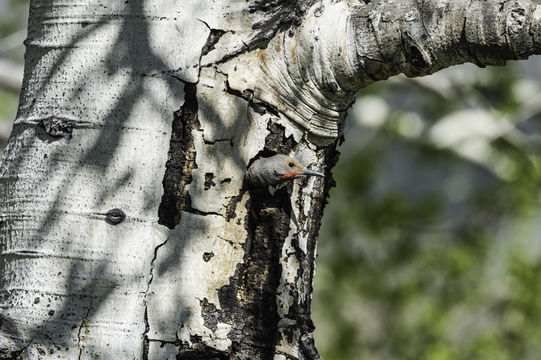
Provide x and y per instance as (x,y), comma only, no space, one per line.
(181,161)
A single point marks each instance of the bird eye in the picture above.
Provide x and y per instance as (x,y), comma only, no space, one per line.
(291,164)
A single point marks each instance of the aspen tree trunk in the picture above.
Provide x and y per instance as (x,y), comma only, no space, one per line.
(127,231)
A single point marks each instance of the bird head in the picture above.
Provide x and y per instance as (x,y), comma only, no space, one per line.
(276,169)
(288,168)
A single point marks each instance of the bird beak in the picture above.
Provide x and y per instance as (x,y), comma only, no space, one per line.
(311,172)
(302,172)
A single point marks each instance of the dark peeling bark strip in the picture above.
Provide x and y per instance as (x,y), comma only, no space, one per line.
(254,317)
(181,160)
(146,342)
(248,302)
(209,181)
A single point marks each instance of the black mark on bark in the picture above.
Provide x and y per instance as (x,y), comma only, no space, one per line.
(231,209)
(202,352)
(263,108)
(308,347)
(199,212)
(276,140)
(208,180)
(115,216)
(246,94)
(57,126)
(181,160)
(207,256)
(333,87)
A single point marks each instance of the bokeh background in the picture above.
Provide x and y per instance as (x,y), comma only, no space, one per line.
(13,20)
(430,248)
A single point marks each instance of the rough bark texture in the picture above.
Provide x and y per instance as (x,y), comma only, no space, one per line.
(124,214)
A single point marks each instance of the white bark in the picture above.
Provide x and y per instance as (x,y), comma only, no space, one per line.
(157,110)
(70,279)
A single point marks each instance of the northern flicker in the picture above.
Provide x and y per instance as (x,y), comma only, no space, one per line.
(276,169)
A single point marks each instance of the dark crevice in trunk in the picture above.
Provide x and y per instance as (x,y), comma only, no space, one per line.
(146,342)
(275,143)
(181,160)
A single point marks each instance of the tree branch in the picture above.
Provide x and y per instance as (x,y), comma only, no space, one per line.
(312,73)
(420,37)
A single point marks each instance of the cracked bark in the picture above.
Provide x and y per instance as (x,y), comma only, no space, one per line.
(81,339)
(146,340)
(163,127)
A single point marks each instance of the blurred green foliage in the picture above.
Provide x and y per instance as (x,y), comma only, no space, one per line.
(13,18)
(429,251)
(8,102)
(14,14)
